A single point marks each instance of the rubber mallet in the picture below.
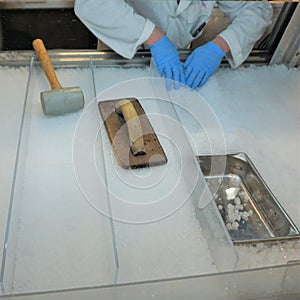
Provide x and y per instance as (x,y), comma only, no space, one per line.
(58,100)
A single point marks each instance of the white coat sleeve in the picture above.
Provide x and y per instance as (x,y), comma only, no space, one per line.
(115,23)
(249,20)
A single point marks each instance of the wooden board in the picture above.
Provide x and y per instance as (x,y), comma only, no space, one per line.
(118,135)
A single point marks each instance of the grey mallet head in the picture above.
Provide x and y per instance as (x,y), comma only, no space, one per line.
(62,101)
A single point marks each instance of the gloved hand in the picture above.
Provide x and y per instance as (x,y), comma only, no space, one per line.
(167,61)
(202,63)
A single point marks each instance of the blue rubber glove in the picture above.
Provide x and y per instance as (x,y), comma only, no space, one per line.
(202,63)
(167,61)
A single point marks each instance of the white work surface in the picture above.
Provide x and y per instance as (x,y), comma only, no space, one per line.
(259,112)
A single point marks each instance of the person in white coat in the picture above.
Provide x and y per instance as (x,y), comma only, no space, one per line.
(167,25)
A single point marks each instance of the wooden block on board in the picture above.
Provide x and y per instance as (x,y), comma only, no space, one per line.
(118,135)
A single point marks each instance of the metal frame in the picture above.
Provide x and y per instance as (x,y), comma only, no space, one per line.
(288,49)
(108,58)
(36,4)
(280,26)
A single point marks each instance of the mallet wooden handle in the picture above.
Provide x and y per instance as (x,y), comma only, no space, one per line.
(126,108)
(46,64)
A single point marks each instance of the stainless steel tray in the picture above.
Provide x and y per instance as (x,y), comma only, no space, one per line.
(248,208)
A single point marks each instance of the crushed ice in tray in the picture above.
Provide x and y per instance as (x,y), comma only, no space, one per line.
(237,210)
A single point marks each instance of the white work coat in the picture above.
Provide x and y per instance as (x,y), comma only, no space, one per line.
(124,25)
